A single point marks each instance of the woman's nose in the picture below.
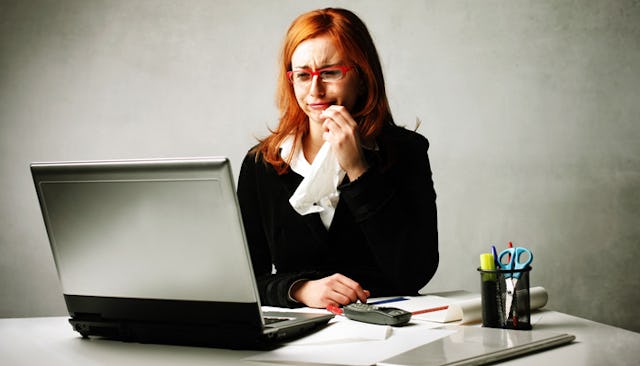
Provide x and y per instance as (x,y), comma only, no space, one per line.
(316,88)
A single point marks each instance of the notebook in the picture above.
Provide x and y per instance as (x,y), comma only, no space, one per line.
(479,346)
(154,251)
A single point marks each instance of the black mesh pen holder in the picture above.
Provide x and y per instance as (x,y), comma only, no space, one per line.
(505,298)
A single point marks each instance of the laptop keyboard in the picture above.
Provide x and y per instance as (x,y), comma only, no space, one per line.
(275,319)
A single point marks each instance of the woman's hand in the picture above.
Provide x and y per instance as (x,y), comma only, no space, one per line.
(341,131)
(333,290)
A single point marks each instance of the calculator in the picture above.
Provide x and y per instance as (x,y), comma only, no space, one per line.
(376,314)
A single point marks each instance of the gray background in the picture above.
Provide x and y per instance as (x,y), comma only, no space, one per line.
(531,108)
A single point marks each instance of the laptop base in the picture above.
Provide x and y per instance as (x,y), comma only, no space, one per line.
(189,334)
(197,323)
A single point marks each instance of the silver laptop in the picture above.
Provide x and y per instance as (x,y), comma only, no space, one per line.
(155,251)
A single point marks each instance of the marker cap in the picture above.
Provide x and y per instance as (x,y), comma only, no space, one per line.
(487,262)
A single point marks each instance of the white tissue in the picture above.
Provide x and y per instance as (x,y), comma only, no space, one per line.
(318,191)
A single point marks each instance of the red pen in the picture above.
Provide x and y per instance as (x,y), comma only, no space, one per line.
(509,255)
(430,310)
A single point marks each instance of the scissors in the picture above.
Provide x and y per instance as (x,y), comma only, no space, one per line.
(513,262)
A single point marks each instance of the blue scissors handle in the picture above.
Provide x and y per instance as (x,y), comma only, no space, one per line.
(513,261)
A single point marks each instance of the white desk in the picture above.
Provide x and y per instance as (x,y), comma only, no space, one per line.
(51,341)
(595,344)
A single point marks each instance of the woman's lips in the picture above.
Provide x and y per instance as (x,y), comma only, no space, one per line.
(319,106)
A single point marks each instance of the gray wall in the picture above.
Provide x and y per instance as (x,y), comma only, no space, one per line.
(531,108)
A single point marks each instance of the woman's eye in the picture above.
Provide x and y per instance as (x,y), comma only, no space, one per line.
(303,76)
(333,74)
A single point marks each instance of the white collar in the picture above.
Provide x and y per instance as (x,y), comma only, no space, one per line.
(298,163)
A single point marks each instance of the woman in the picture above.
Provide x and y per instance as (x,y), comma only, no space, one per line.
(377,236)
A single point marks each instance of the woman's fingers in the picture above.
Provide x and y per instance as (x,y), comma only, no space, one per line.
(336,289)
(346,289)
(341,131)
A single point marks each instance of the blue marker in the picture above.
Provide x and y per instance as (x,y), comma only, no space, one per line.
(495,256)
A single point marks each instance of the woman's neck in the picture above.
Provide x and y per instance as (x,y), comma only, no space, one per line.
(311,144)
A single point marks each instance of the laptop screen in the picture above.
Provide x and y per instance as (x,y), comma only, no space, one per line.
(146,229)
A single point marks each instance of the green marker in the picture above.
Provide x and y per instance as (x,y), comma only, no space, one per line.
(492,311)
(487,263)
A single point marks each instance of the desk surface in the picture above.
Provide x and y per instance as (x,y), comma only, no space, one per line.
(51,341)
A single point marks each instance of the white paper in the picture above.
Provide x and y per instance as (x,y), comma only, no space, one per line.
(351,343)
(370,352)
(417,303)
(294,310)
(538,297)
(345,331)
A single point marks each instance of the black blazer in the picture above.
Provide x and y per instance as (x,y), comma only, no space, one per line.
(383,234)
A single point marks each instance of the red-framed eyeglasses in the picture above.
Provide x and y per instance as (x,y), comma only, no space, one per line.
(327,74)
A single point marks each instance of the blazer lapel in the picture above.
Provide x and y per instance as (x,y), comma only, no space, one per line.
(291,181)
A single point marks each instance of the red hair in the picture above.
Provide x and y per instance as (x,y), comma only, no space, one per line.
(353,41)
